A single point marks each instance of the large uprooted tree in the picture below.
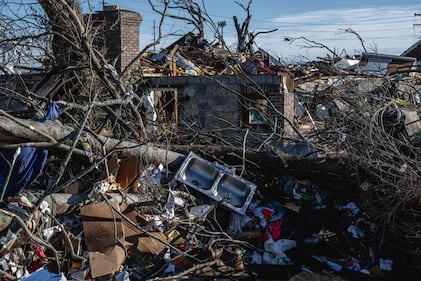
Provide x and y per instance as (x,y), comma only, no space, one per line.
(92,96)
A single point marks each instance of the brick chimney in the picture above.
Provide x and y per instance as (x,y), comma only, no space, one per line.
(119,35)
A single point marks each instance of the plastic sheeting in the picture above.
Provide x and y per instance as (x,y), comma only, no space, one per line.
(29,163)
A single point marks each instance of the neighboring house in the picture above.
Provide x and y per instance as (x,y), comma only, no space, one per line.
(413,51)
(381,64)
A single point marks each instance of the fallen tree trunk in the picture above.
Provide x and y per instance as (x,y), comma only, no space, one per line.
(49,131)
(266,163)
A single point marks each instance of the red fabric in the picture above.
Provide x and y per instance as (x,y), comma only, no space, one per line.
(36,265)
(39,251)
(267,213)
(273,229)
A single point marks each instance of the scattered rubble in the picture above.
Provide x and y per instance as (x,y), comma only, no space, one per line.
(164,228)
(90,192)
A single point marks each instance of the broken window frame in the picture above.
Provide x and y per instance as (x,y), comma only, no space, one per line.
(258,112)
(255,104)
(160,107)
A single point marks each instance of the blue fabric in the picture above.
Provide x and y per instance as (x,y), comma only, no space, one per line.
(53,112)
(29,164)
(44,275)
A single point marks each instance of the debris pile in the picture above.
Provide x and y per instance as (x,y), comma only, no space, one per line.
(201,220)
(102,179)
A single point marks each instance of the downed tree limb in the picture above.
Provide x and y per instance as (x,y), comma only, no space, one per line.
(147,232)
(17,120)
(8,276)
(75,140)
(12,132)
(185,273)
(66,16)
(9,173)
(64,203)
(267,163)
(44,145)
(31,236)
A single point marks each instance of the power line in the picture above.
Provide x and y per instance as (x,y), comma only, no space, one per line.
(296,30)
(387,20)
(416,15)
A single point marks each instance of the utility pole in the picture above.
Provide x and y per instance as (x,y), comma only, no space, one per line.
(154,46)
(221,24)
(104,4)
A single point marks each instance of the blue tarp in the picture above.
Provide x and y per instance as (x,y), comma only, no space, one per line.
(29,164)
(44,275)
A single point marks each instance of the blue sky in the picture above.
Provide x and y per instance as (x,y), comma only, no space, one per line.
(387,27)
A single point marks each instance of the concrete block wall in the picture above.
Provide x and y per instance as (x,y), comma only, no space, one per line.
(216,103)
(207,105)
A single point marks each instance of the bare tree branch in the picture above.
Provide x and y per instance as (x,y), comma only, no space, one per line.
(312,44)
(350,30)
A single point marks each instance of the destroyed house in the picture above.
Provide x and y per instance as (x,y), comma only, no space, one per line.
(220,102)
(415,52)
(381,64)
(199,84)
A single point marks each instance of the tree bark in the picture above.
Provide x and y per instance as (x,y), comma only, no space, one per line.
(63,31)
(33,131)
(243,29)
